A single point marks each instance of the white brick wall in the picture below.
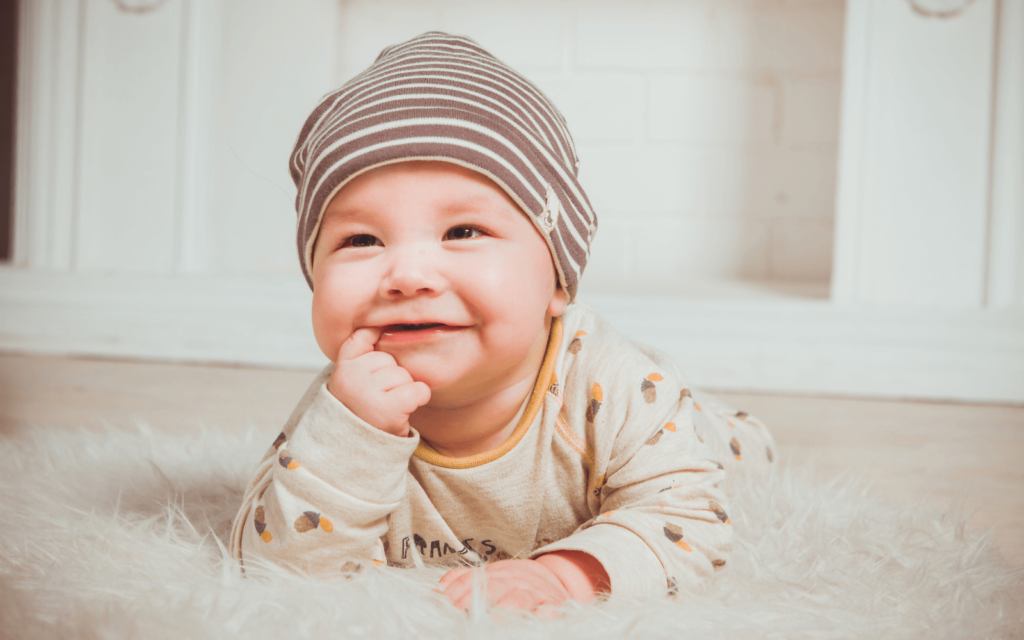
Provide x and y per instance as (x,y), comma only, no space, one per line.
(707,129)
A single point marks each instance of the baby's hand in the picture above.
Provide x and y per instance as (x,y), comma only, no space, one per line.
(511,584)
(372,385)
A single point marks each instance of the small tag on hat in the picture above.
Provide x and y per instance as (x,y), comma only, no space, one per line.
(549,217)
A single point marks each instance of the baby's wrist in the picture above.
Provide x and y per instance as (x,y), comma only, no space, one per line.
(580,573)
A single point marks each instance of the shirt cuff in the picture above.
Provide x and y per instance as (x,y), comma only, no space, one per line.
(344,450)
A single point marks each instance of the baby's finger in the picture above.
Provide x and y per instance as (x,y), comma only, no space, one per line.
(359,343)
(465,599)
(452,575)
(460,594)
(408,397)
(546,612)
(371,363)
(461,600)
(523,599)
(388,378)
(461,591)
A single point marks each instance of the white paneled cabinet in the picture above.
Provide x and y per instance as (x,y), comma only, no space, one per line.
(46,165)
(157,141)
(912,218)
(1006,230)
(154,209)
(129,130)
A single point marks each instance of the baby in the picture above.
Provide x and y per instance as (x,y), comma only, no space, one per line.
(475,413)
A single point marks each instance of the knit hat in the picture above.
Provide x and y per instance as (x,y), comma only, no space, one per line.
(443,97)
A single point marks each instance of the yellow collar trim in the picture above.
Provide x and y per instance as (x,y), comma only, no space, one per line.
(425,453)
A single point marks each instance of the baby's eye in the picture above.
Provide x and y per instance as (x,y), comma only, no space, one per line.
(361,240)
(463,232)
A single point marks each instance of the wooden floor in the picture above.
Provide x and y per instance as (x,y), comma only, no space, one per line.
(911,450)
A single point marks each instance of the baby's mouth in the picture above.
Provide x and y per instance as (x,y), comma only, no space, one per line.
(416,332)
(392,328)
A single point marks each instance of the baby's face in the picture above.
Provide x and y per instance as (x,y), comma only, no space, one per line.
(448,267)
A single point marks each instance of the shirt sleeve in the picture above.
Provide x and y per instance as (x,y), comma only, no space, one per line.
(659,513)
(320,499)
(741,441)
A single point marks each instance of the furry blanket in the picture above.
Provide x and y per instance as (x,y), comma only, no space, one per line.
(111,535)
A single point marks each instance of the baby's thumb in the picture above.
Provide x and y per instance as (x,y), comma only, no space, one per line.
(359,343)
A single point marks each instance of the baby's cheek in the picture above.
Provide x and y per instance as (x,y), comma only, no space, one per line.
(330,327)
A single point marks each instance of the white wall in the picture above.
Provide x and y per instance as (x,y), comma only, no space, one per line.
(154,209)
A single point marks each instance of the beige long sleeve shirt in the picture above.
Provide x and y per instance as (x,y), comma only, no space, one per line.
(610,456)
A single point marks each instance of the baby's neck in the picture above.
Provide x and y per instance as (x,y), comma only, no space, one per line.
(460,430)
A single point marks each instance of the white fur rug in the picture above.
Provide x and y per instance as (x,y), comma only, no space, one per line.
(121,535)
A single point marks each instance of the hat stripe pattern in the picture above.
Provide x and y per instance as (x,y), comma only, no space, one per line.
(443,97)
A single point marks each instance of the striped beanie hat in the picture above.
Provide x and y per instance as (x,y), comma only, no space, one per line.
(443,97)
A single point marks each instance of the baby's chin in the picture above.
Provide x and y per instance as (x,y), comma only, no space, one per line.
(444,377)
(435,373)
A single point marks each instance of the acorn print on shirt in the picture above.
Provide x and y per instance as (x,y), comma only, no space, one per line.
(734,444)
(576,344)
(648,389)
(312,520)
(259,520)
(279,440)
(671,426)
(597,395)
(684,394)
(352,567)
(675,534)
(287,462)
(719,511)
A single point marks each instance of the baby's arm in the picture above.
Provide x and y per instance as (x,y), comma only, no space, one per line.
(659,511)
(322,494)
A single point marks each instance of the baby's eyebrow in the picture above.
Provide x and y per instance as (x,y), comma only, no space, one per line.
(474,205)
(345,215)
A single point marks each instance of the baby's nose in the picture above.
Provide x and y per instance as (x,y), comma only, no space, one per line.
(412,272)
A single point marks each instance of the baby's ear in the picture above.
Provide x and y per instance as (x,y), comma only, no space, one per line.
(559,300)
